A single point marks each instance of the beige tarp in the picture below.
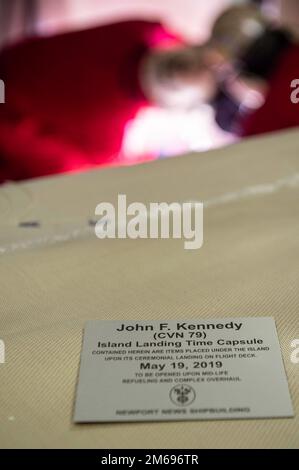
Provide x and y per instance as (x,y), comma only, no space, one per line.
(55,276)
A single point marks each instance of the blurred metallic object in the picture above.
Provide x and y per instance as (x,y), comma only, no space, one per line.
(236,28)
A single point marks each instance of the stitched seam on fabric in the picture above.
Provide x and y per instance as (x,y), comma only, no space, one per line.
(291,181)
